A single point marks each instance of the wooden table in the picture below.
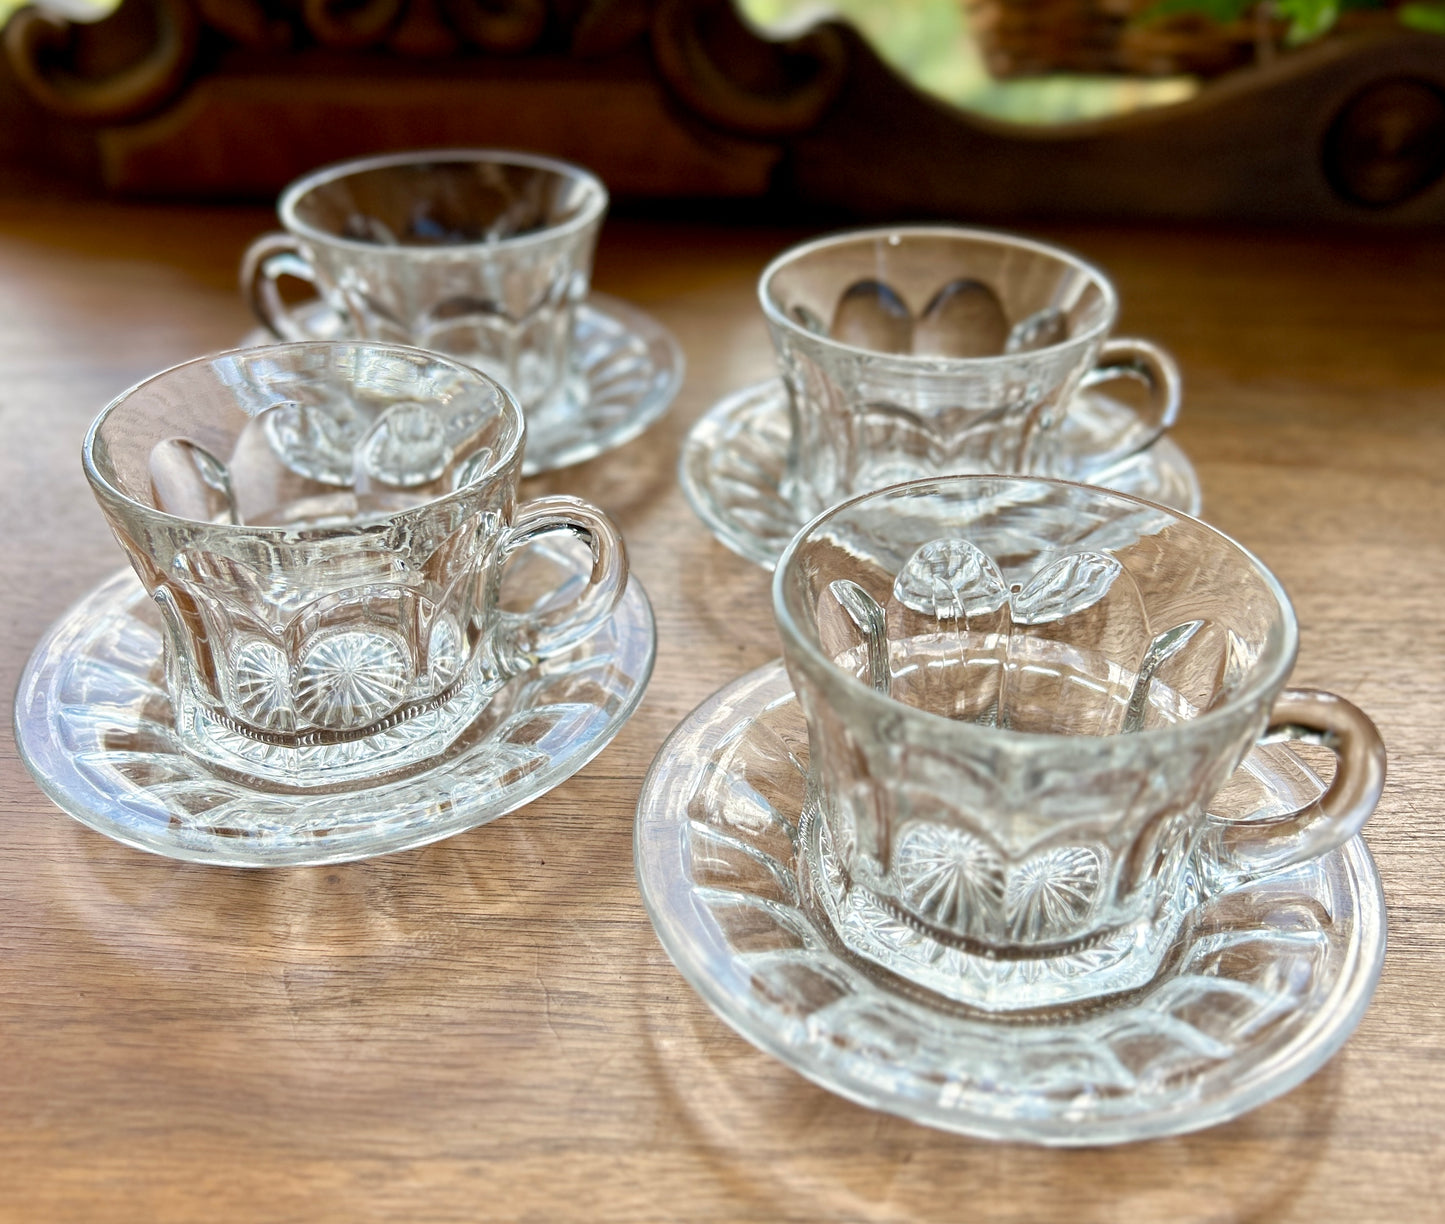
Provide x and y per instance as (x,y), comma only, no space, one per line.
(487,1028)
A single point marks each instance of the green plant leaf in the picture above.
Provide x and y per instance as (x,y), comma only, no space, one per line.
(1308,19)
(1429,17)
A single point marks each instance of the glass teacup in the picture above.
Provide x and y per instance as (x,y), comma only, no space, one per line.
(916,351)
(1022,696)
(480,254)
(324,527)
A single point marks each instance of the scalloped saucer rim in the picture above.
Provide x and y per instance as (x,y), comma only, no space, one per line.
(668,365)
(626,645)
(709,441)
(810,1044)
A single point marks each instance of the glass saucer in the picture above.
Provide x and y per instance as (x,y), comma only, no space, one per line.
(734,456)
(1265,984)
(93,723)
(631,367)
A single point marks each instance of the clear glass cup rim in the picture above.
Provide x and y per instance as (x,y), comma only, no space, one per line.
(509,453)
(1268,673)
(901,233)
(293,193)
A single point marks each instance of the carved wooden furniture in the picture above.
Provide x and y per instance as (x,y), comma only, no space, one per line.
(678,98)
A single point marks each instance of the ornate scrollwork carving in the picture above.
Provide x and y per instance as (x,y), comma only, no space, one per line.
(715,64)
(766,88)
(47,56)
(249,23)
(1388,142)
(350,23)
(423,31)
(1375,100)
(504,26)
(604,27)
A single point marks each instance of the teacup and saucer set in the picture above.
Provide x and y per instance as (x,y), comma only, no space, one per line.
(342,635)
(919,351)
(1010,841)
(484,255)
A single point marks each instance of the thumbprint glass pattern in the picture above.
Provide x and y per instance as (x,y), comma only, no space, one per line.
(95,725)
(1264,982)
(324,527)
(1021,696)
(482,255)
(734,465)
(927,351)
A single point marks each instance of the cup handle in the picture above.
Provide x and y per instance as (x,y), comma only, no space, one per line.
(525,637)
(1157,370)
(1234,851)
(269,258)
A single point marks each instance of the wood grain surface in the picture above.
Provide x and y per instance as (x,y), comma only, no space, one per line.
(487,1028)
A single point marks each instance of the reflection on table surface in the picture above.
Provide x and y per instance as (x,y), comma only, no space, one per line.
(487,1026)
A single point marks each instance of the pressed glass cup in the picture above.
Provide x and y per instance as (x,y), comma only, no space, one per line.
(920,351)
(1022,696)
(324,527)
(480,254)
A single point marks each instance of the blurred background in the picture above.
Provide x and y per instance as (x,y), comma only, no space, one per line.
(1260,109)
(932,43)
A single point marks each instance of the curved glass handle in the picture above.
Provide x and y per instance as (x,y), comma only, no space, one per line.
(269,258)
(1233,851)
(1157,370)
(524,637)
